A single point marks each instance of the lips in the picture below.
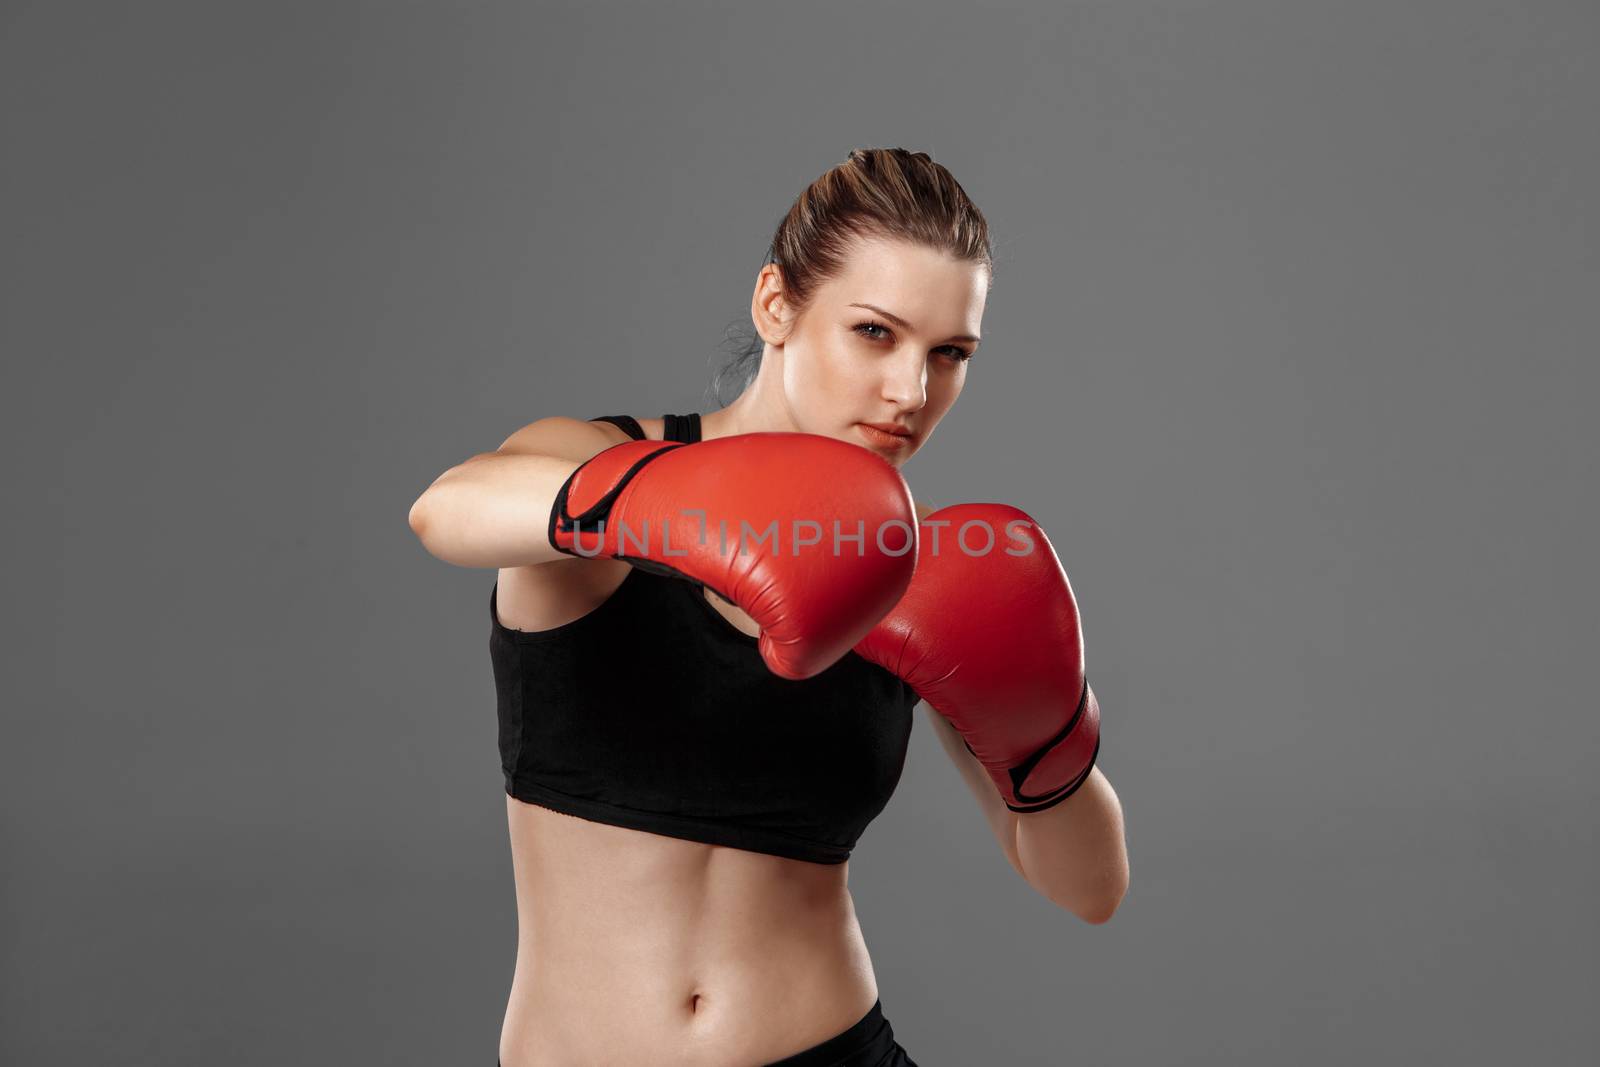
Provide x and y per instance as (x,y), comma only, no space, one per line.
(879,436)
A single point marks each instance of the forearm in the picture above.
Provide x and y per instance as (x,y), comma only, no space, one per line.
(1075,853)
(492,511)
(1001,819)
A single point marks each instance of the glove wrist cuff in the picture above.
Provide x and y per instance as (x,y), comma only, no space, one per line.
(1060,766)
(585,500)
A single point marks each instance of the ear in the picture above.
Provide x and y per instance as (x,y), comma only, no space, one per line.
(768,309)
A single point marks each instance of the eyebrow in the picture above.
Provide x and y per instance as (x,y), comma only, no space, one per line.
(904,325)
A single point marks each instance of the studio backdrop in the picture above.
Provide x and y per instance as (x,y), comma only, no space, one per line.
(1291,347)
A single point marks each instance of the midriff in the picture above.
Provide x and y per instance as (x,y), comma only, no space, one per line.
(639,948)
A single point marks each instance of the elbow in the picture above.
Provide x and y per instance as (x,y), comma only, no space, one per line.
(1100,912)
(1111,901)
(418,519)
(1096,912)
(431,525)
(422,518)
(1096,906)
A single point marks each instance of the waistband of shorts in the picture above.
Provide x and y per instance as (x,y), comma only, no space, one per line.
(871,1027)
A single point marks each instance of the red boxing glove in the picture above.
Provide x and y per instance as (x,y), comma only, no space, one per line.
(991,640)
(790,527)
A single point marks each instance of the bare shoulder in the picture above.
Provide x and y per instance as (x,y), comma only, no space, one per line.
(565,437)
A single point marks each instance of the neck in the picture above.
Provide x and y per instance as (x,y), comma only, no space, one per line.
(759,409)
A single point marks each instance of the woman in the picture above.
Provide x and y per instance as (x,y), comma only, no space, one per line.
(681,805)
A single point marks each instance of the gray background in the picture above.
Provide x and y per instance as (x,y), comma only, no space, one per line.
(1291,349)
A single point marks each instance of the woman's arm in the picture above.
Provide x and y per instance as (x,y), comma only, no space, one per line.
(1073,854)
(494,509)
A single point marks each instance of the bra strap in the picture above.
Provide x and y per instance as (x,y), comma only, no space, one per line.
(627,423)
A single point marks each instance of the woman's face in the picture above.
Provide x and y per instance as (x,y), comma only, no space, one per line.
(885,342)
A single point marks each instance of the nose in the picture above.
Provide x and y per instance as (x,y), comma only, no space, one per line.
(905,381)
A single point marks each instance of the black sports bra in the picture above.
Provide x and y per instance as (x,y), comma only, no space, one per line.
(654,712)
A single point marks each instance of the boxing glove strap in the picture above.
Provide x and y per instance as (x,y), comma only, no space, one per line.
(1081,727)
(1065,791)
(562,522)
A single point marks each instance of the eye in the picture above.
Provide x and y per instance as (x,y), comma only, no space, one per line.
(866,329)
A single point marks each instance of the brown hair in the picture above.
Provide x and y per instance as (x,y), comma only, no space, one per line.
(876,192)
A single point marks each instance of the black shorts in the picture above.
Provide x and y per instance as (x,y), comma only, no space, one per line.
(869,1043)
